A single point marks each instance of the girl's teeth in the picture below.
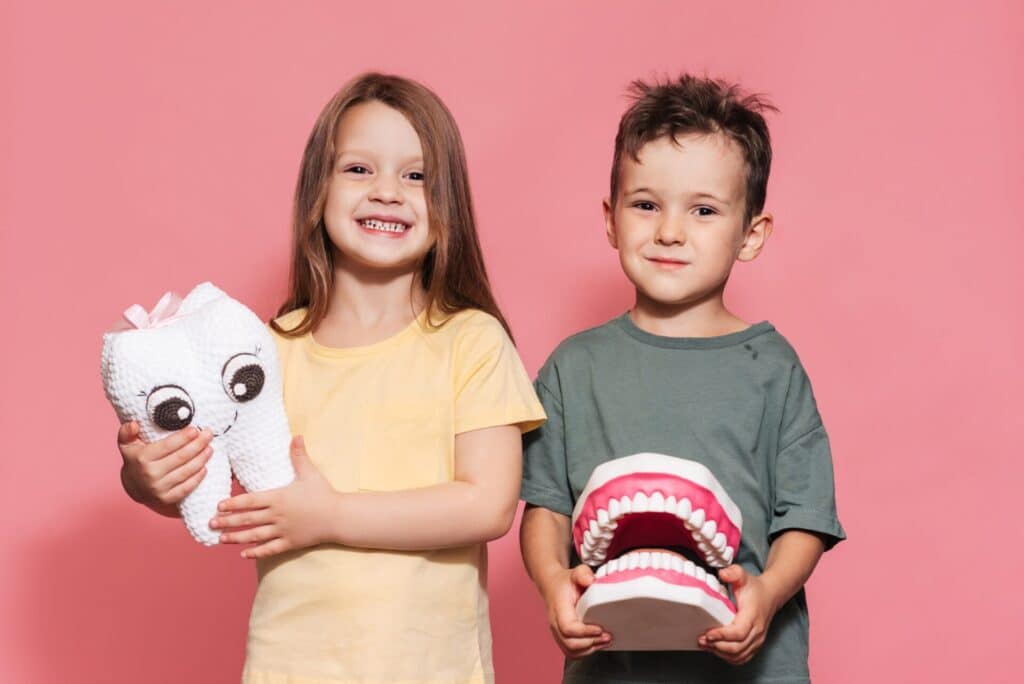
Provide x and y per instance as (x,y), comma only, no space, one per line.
(374,224)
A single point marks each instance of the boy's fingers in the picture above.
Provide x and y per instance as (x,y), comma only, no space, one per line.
(574,627)
(582,576)
(736,631)
(734,574)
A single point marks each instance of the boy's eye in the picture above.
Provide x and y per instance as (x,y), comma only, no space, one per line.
(706,211)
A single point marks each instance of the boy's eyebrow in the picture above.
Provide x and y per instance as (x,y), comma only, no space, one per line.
(696,195)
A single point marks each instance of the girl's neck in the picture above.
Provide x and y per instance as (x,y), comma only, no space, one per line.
(705,318)
(367,306)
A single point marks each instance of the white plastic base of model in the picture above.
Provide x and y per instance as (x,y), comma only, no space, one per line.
(646,614)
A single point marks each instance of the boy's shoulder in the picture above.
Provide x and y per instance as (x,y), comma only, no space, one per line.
(587,343)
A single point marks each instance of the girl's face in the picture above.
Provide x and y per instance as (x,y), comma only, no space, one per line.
(376,210)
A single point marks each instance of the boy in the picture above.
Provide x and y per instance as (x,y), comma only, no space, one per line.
(679,374)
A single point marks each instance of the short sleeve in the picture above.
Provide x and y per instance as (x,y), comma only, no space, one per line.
(804,497)
(491,385)
(545,473)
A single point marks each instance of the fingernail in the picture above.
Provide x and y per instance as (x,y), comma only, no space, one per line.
(214,524)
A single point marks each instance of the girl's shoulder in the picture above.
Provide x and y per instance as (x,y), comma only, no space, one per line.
(468,324)
(291,319)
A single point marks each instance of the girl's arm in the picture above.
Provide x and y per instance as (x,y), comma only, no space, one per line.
(479,505)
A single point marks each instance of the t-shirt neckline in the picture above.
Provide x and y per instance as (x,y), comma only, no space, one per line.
(373,348)
(626,324)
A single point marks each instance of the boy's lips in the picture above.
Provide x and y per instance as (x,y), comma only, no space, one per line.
(668,262)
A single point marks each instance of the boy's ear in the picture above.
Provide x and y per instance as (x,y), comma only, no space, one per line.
(609,223)
(757,234)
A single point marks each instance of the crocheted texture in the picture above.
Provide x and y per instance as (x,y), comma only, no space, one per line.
(214,366)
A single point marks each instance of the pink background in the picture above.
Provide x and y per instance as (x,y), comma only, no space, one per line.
(145,149)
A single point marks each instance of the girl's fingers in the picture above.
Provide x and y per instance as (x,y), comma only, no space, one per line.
(270,548)
(255,535)
(176,494)
(244,519)
(161,448)
(182,455)
(182,473)
(244,502)
(128,432)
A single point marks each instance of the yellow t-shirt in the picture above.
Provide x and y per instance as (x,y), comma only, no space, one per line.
(384,417)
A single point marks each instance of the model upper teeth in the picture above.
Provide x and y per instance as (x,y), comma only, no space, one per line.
(708,539)
(677,501)
(385,226)
(661,560)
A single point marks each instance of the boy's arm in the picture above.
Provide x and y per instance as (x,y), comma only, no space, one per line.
(791,560)
(544,540)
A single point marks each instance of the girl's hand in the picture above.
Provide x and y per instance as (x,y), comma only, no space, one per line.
(291,517)
(740,640)
(162,473)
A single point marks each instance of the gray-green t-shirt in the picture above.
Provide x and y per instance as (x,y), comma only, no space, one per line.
(742,405)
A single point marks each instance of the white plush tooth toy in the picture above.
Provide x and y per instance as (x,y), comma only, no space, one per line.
(210,362)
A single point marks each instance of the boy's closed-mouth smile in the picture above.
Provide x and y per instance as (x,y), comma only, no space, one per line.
(668,263)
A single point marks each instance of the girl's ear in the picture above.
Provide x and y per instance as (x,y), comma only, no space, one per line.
(609,223)
(757,235)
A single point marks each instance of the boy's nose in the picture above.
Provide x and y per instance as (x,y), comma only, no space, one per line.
(671,232)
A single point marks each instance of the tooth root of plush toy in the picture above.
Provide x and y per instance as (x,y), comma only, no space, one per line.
(206,361)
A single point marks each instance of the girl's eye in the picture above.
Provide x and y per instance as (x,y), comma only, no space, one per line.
(644,206)
(357,169)
(416,176)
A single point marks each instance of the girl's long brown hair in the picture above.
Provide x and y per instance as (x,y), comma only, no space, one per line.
(452,272)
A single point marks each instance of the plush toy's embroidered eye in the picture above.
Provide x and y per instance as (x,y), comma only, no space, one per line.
(243,377)
(170,407)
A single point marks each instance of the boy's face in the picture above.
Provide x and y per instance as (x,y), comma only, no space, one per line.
(678,222)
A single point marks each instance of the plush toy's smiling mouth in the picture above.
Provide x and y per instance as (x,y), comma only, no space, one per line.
(230,425)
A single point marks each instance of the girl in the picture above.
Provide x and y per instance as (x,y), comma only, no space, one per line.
(401,376)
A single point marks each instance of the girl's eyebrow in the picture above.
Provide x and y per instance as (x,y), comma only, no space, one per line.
(359,152)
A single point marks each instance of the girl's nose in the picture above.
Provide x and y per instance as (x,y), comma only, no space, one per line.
(385,189)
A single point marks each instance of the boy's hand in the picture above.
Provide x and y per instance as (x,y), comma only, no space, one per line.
(562,590)
(291,517)
(740,640)
(162,473)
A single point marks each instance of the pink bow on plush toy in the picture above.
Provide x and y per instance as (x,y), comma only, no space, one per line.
(136,317)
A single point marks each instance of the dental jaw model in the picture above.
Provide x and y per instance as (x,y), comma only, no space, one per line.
(654,598)
(210,362)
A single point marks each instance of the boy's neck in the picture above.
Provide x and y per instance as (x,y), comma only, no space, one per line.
(706,318)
